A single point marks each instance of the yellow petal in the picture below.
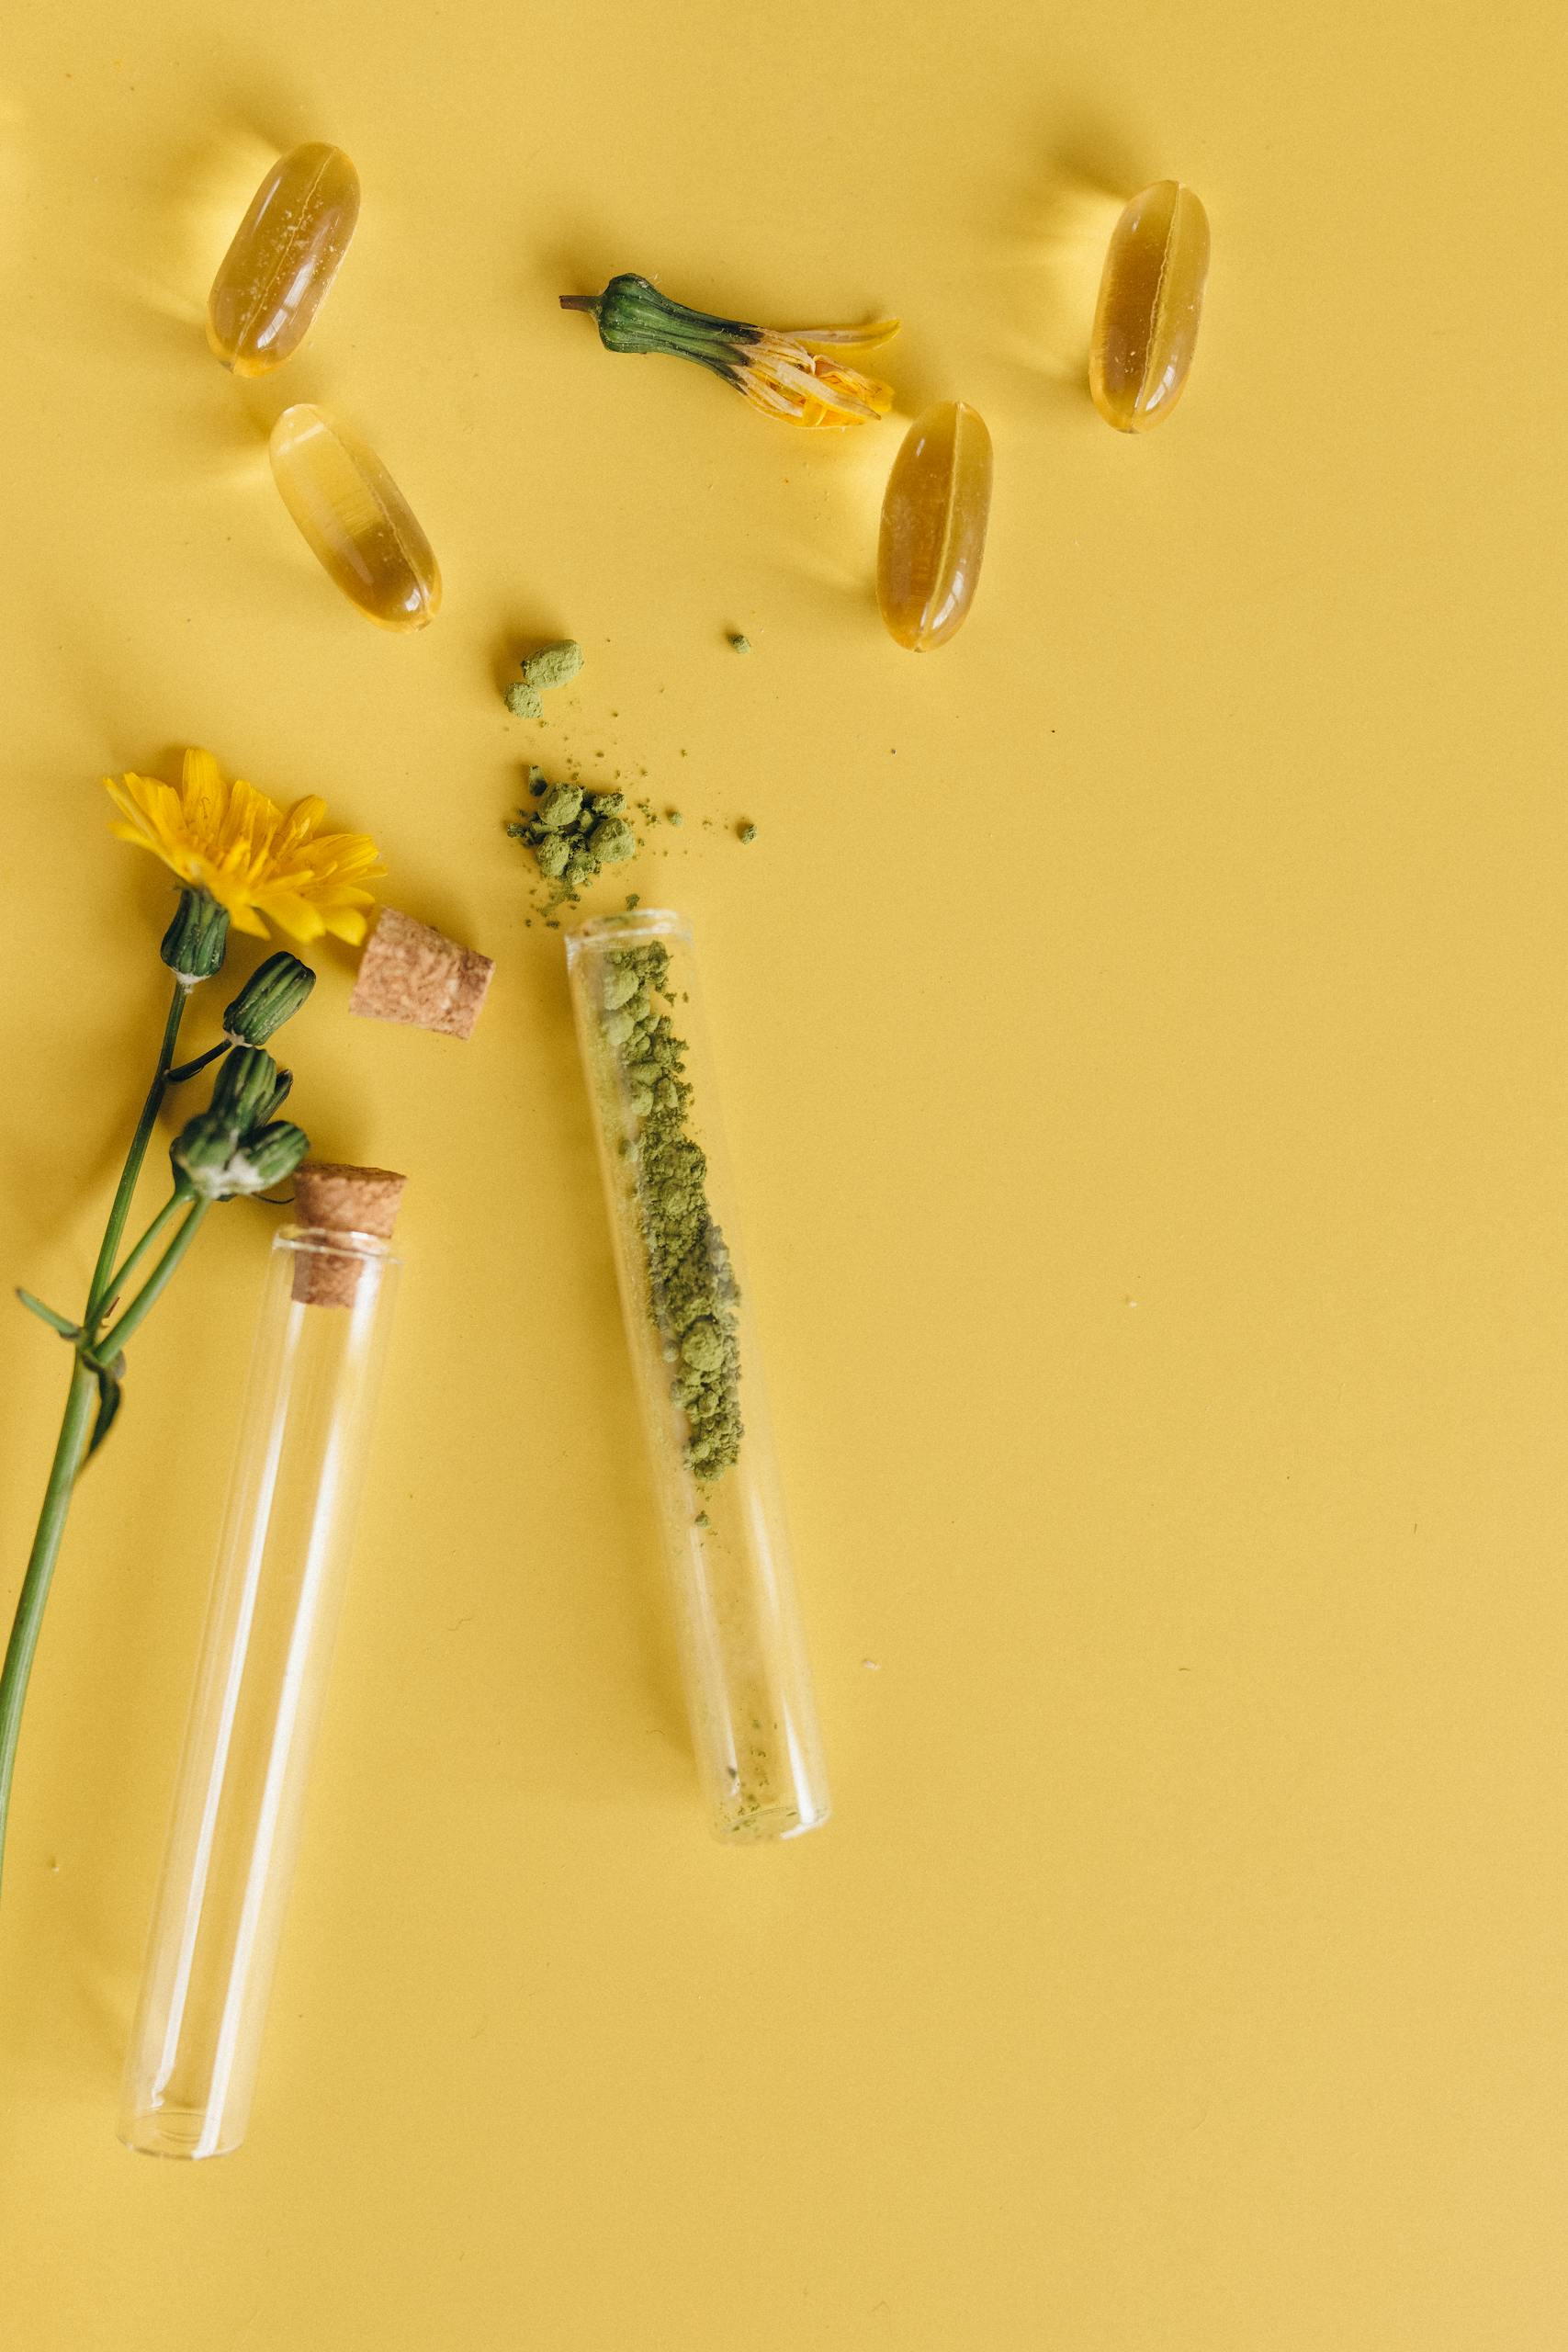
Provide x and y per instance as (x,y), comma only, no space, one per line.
(292,912)
(302,819)
(864,391)
(235,842)
(132,793)
(866,338)
(201,793)
(345,922)
(786,380)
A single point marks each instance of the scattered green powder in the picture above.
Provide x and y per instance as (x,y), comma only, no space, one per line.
(573,835)
(553,665)
(691,1283)
(740,644)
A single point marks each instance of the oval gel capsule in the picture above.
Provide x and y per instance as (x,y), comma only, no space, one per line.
(1146,324)
(355,518)
(279,269)
(934,513)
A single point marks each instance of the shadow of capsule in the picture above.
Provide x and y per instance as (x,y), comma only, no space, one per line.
(1052,246)
(175,219)
(179,212)
(827,515)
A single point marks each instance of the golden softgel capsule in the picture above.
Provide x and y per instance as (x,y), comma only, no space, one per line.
(355,518)
(934,526)
(1151,297)
(285,253)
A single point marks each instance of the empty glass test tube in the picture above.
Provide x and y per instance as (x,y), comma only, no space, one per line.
(266,1653)
(699,1375)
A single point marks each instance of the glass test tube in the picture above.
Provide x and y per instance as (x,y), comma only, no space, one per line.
(694,1346)
(275,1598)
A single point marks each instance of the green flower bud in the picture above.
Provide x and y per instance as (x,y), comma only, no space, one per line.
(273,994)
(209,1160)
(264,1158)
(201,1153)
(633,315)
(245,1089)
(195,941)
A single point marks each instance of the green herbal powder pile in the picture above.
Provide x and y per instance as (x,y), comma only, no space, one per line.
(552,666)
(573,835)
(691,1288)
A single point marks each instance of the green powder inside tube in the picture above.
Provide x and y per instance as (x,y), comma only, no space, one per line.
(691,1291)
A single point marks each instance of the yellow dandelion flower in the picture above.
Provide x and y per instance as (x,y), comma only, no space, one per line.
(791,373)
(254,859)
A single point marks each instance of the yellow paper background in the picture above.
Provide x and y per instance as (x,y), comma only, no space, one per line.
(1142,1033)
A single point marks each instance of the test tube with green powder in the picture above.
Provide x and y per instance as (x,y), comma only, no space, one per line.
(693,1348)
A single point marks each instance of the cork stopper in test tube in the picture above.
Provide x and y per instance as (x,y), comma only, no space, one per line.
(337,1207)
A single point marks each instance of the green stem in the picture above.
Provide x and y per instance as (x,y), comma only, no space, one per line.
(68,1451)
(103,1272)
(189,1069)
(119,1282)
(109,1344)
(82,1400)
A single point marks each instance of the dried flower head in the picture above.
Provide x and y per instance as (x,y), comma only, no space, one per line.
(792,373)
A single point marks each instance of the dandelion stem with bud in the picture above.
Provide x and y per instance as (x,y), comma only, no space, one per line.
(115,1338)
(795,374)
(69,1451)
(121,1282)
(241,860)
(115,1229)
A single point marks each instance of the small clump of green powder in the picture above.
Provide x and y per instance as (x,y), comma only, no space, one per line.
(746,832)
(691,1291)
(553,665)
(573,835)
(674,817)
(740,644)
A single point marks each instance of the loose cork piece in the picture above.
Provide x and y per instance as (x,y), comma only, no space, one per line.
(331,1198)
(413,974)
